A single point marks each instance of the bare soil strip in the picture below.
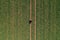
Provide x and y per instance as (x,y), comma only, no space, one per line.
(35,17)
(30,32)
(30,19)
(30,9)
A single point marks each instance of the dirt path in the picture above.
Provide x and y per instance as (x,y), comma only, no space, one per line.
(30,9)
(30,19)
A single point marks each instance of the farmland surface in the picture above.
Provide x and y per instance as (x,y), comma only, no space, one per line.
(15,16)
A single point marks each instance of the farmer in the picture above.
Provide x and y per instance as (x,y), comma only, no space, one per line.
(30,21)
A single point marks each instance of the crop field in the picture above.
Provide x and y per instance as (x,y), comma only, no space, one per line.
(16,14)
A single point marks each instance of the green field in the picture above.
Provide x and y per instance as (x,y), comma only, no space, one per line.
(15,16)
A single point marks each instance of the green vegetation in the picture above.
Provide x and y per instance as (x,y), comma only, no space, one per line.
(15,15)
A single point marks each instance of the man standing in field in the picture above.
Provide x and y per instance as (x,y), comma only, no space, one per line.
(30,21)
